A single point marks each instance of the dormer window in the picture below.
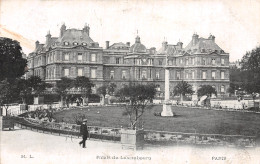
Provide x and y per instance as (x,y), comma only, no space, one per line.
(75,43)
(66,43)
(84,44)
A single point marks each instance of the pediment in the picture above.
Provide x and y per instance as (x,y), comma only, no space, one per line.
(186,54)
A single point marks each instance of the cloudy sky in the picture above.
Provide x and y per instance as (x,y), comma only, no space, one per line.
(235,23)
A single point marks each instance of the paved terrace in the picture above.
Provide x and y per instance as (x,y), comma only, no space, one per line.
(51,149)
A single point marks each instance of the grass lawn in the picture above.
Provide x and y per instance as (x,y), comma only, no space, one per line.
(187,120)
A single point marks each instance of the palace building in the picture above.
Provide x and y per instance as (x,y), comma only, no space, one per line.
(74,53)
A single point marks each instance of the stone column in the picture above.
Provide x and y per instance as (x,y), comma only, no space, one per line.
(167,110)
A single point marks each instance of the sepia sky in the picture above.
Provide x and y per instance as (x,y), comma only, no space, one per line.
(235,23)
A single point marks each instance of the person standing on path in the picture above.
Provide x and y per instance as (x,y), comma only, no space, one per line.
(84,133)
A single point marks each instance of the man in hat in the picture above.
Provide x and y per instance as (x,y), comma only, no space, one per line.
(84,133)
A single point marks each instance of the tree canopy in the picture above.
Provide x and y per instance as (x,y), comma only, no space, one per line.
(37,85)
(7,94)
(251,69)
(63,85)
(102,90)
(12,65)
(84,84)
(206,90)
(137,99)
(182,88)
(111,88)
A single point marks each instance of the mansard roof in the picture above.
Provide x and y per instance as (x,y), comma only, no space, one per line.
(119,46)
(203,45)
(169,49)
(52,41)
(39,48)
(74,35)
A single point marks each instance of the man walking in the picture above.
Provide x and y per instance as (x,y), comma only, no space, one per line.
(84,133)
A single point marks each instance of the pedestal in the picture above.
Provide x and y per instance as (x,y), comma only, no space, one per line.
(167,110)
(132,139)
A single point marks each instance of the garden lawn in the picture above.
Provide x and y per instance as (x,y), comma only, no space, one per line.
(186,120)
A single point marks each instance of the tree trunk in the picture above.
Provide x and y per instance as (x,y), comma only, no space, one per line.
(102,101)
(24,100)
(6,110)
(85,100)
(182,97)
(61,102)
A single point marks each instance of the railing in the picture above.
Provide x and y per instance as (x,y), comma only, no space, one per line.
(150,137)
(95,132)
(162,137)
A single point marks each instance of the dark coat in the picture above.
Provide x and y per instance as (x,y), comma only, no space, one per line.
(84,130)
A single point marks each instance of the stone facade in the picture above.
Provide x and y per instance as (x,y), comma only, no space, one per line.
(74,53)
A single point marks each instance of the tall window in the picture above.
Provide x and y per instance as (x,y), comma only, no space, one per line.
(93,57)
(144,75)
(222,89)
(192,61)
(117,60)
(80,72)
(187,75)
(193,75)
(222,61)
(123,74)
(112,74)
(93,73)
(157,75)
(66,57)
(170,62)
(160,62)
(222,75)
(213,74)
(203,61)
(187,61)
(66,72)
(180,61)
(204,74)
(178,75)
(53,54)
(54,73)
(79,56)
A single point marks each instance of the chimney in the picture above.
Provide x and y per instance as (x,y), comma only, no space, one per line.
(86,29)
(128,44)
(212,37)
(62,30)
(164,45)
(180,44)
(195,39)
(48,38)
(107,44)
(36,44)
